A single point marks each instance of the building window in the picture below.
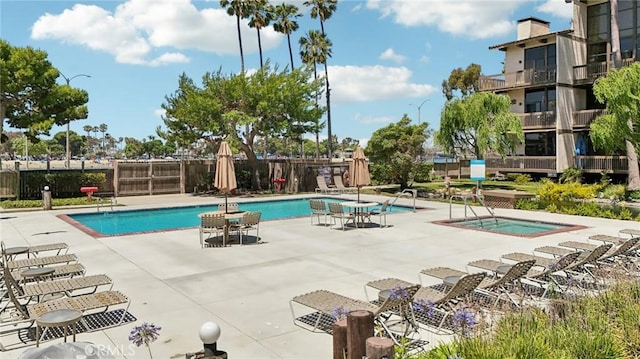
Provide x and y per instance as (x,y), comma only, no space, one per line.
(540,143)
(540,100)
(598,22)
(540,57)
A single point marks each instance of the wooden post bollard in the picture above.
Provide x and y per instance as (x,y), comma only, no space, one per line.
(380,348)
(359,328)
(340,339)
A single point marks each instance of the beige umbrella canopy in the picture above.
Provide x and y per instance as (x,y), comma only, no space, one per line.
(225,179)
(359,171)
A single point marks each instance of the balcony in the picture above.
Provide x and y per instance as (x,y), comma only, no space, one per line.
(537,120)
(598,164)
(538,164)
(583,118)
(590,72)
(519,79)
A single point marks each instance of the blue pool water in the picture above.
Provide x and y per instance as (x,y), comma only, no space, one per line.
(511,226)
(162,219)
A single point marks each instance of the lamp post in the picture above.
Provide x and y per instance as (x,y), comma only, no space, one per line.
(67,162)
(419,108)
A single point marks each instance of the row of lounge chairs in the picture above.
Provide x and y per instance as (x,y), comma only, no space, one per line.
(62,285)
(337,188)
(334,211)
(571,268)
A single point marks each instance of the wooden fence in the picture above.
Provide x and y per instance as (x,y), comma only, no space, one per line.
(163,177)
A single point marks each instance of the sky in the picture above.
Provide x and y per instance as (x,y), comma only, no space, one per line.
(389,57)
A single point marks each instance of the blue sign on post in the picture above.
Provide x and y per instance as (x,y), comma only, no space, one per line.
(478,170)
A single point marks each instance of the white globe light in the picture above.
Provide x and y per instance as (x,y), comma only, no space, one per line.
(46,188)
(209,332)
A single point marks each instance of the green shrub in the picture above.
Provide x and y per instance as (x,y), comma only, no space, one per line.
(561,192)
(522,178)
(615,192)
(634,194)
(625,214)
(381,173)
(527,204)
(571,174)
(423,172)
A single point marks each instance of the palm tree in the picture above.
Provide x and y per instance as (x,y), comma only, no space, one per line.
(284,23)
(87,129)
(260,16)
(323,9)
(632,156)
(103,129)
(314,49)
(239,9)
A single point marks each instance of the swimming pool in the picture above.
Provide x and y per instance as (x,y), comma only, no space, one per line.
(511,226)
(163,219)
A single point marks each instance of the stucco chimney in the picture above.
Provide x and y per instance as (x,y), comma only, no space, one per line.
(532,27)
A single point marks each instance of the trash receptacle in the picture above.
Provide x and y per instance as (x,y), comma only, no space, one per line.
(46,198)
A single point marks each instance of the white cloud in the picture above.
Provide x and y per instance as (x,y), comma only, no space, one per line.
(139,31)
(389,54)
(371,83)
(357,8)
(558,8)
(368,120)
(425,59)
(472,18)
(159,112)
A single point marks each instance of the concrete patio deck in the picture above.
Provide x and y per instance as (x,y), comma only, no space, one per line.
(175,284)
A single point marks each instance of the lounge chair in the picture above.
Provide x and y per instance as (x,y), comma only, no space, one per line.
(211,224)
(394,315)
(318,208)
(23,317)
(499,286)
(341,187)
(41,261)
(381,213)
(336,211)
(250,221)
(430,299)
(323,188)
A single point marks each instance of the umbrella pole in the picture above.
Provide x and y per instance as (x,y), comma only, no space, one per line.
(226,208)
(358,194)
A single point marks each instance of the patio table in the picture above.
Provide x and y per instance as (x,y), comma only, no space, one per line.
(361,209)
(228,218)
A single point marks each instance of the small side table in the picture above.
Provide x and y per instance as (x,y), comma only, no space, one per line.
(36,273)
(58,318)
(12,252)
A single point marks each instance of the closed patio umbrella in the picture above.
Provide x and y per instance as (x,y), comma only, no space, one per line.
(359,171)
(225,179)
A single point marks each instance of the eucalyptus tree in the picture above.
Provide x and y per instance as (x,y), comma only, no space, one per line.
(259,17)
(477,124)
(284,23)
(323,9)
(239,9)
(240,109)
(314,50)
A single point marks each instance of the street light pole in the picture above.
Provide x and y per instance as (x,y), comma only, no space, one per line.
(67,162)
(419,108)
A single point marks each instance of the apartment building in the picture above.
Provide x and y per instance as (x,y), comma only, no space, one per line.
(549,77)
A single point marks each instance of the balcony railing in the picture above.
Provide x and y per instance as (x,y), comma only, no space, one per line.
(583,118)
(533,120)
(543,164)
(590,72)
(597,164)
(528,77)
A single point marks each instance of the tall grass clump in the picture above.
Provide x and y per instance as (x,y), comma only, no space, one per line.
(604,326)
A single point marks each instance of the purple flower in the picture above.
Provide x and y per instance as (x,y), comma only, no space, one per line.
(399,293)
(465,321)
(426,307)
(340,313)
(144,334)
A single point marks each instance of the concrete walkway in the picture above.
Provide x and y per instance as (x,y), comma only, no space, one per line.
(175,284)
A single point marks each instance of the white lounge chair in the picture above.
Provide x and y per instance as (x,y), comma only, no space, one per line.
(323,188)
